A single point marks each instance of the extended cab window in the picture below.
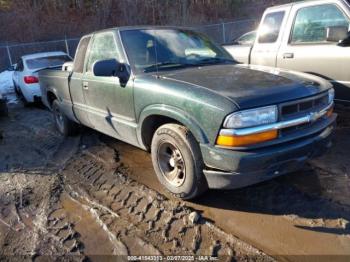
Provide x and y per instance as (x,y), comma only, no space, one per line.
(311,23)
(270,28)
(103,47)
(80,56)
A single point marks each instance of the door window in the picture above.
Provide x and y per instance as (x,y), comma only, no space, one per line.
(270,28)
(311,23)
(80,55)
(103,47)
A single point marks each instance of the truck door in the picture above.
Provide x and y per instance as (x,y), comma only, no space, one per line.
(269,37)
(110,106)
(76,85)
(306,47)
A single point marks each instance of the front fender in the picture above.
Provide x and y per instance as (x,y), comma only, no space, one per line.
(176,114)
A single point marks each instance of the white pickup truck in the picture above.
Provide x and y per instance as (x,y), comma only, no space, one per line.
(308,36)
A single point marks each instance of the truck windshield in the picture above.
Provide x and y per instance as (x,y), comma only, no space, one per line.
(48,61)
(165,49)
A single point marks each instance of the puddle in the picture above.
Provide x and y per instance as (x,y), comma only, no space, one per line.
(274,216)
(91,233)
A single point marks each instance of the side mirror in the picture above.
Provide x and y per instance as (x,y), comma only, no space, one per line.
(110,68)
(336,33)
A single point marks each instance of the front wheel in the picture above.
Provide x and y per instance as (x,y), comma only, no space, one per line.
(64,125)
(177,161)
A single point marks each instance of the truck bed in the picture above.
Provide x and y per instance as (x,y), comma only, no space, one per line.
(55,81)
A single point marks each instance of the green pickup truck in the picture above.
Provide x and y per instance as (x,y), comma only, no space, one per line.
(207,121)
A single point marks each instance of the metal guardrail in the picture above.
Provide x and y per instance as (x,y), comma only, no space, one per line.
(221,33)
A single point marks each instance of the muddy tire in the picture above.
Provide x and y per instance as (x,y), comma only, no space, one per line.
(63,124)
(177,161)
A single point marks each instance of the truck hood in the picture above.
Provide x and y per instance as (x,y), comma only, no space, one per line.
(251,86)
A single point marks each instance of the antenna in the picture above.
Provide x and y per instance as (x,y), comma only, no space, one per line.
(156,53)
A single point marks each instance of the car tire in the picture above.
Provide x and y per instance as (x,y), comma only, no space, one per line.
(16,88)
(22,97)
(63,124)
(178,162)
(24,101)
(3,108)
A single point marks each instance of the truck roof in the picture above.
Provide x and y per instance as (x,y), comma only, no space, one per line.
(297,3)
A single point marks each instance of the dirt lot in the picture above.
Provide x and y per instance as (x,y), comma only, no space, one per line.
(91,197)
(73,199)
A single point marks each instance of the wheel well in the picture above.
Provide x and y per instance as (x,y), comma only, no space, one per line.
(50,98)
(151,124)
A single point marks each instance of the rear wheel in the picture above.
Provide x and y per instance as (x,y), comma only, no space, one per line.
(16,88)
(178,162)
(64,125)
(3,108)
(21,96)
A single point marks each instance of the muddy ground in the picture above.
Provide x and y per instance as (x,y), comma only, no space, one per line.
(72,199)
(91,197)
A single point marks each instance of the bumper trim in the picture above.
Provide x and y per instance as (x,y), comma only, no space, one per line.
(309,118)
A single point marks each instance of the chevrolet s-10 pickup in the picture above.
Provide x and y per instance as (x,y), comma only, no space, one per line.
(207,121)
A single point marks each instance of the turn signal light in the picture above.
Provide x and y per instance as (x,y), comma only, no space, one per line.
(31,79)
(237,141)
(330,111)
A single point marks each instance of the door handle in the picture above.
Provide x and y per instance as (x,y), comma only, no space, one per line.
(288,55)
(86,85)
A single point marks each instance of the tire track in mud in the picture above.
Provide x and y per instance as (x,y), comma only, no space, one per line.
(138,220)
(32,153)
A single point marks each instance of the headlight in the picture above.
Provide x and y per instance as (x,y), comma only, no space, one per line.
(252,117)
(330,96)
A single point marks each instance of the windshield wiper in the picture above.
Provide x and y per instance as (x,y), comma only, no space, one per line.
(164,65)
(214,60)
(171,65)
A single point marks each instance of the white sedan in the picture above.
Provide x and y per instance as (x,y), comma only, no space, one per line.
(25,76)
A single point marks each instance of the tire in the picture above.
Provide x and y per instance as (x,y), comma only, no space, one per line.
(63,124)
(3,108)
(22,97)
(16,89)
(177,161)
(24,100)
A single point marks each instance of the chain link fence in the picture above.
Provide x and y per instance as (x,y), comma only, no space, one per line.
(225,33)
(222,33)
(10,54)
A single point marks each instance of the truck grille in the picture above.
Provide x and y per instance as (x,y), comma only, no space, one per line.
(300,108)
(304,106)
